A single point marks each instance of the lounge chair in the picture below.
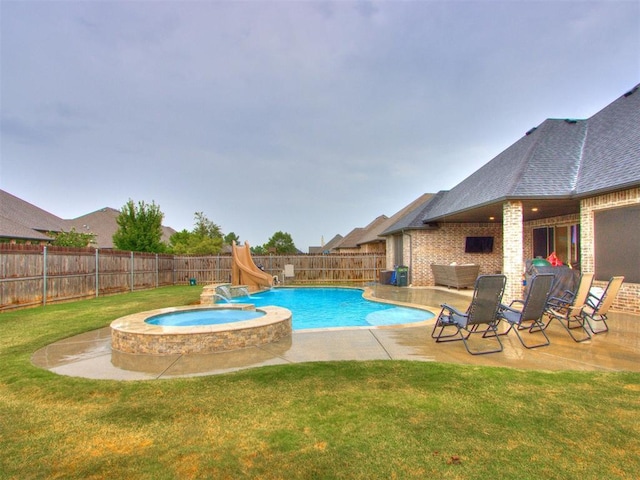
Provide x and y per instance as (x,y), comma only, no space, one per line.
(483,311)
(531,310)
(567,309)
(597,308)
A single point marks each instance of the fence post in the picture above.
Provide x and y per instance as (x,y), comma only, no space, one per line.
(375,267)
(132,275)
(44,276)
(157,281)
(97,274)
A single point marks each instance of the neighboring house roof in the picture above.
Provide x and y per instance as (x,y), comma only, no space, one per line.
(14,230)
(359,235)
(411,216)
(102,223)
(372,232)
(327,247)
(331,244)
(22,220)
(558,162)
(351,239)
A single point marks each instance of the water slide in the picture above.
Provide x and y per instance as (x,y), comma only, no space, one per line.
(245,272)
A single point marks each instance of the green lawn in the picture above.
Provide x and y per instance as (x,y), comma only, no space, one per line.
(383,419)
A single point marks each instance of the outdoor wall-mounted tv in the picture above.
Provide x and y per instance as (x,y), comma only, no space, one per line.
(478,245)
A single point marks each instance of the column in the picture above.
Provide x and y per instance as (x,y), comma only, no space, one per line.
(513,249)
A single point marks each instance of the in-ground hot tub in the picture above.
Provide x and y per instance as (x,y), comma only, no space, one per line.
(136,333)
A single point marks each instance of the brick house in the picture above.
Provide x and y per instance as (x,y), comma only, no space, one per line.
(569,186)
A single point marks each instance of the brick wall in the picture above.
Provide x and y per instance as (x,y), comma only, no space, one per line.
(513,257)
(446,245)
(629,297)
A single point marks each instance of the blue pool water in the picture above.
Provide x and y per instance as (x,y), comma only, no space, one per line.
(194,318)
(334,307)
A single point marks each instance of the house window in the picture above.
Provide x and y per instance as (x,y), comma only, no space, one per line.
(398,250)
(543,242)
(616,245)
(562,239)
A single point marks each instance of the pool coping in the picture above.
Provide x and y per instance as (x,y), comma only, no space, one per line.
(132,334)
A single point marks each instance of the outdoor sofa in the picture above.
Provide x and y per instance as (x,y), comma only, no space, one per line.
(457,276)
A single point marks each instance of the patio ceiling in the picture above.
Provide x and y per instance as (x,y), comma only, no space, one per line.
(533,209)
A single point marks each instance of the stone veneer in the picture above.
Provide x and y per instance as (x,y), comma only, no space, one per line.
(131,334)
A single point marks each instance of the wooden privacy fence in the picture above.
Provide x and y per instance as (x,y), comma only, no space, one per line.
(36,275)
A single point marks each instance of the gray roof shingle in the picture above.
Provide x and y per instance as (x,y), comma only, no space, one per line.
(612,150)
(558,159)
(20,219)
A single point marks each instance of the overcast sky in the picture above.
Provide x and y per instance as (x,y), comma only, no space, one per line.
(311,118)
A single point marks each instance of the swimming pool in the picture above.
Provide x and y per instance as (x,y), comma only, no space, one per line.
(332,307)
(192,318)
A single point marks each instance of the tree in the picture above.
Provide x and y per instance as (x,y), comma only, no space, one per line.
(282,242)
(72,238)
(258,250)
(205,239)
(205,227)
(139,228)
(230,238)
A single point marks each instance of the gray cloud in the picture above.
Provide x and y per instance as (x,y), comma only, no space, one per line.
(307,117)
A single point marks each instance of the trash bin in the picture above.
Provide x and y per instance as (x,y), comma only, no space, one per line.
(192,281)
(402,276)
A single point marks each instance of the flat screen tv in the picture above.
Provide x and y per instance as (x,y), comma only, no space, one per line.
(478,245)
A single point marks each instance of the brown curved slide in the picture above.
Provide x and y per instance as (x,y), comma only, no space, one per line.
(245,272)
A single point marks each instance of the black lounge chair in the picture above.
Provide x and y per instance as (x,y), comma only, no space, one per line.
(483,311)
(567,310)
(531,311)
(597,308)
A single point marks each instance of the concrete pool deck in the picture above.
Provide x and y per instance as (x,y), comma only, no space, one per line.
(90,356)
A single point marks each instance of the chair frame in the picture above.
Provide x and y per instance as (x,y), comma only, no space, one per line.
(596,308)
(567,310)
(483,310)
(529,315)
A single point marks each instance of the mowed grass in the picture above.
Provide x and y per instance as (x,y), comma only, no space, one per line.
(342,420)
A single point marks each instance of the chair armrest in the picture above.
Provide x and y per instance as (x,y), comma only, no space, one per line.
(559,302)
(593,300)
(452,309)
(509,307)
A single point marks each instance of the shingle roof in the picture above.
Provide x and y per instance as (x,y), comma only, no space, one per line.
(351,239)
(20,219)
(612,150)
(558,159)
(411,216)
(102,223)
(15,230)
